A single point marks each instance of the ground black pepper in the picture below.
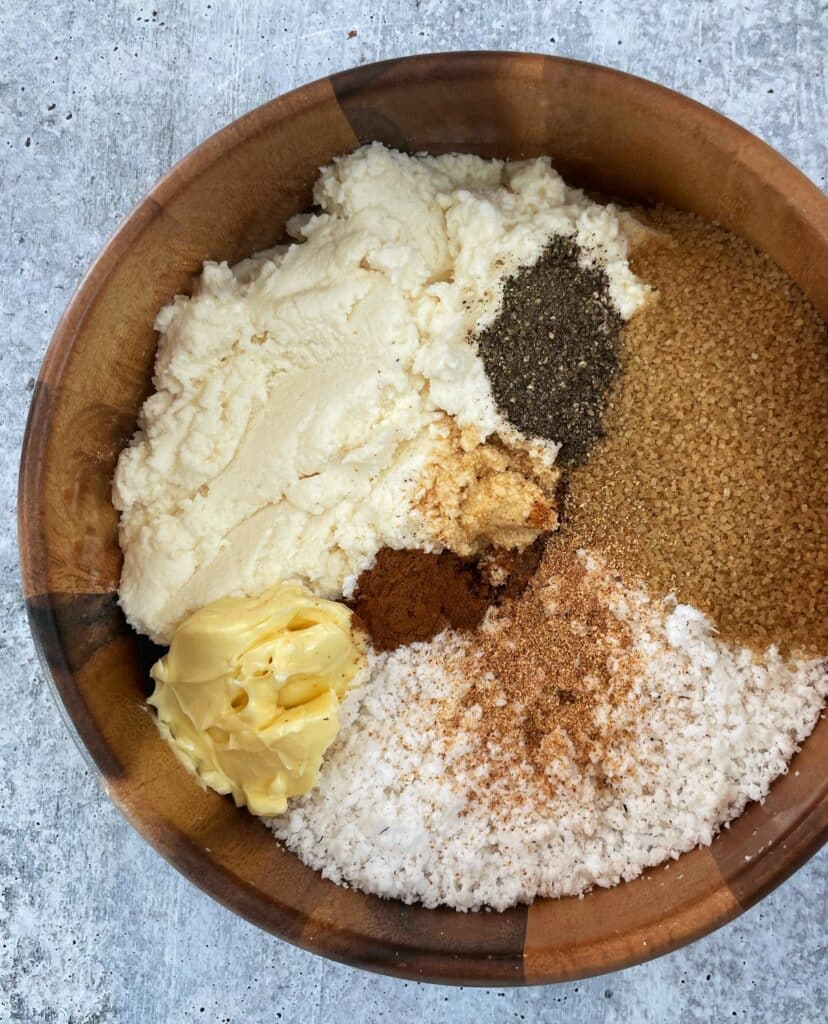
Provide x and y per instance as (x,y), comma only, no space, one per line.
(552,353)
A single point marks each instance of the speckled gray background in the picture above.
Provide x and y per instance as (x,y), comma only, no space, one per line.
(97,100)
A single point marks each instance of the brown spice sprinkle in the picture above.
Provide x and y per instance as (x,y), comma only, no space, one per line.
(712,479)
(411,595)
(546,671)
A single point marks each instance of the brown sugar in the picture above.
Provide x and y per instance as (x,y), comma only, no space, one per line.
(545,670)
(712,479)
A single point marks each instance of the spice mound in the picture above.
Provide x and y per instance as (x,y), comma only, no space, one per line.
(411,595)
(552,354)
(545,671)
(497,494)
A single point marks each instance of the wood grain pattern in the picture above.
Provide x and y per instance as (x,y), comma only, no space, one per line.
(604,130)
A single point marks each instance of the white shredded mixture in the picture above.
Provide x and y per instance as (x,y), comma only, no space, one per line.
(710,731)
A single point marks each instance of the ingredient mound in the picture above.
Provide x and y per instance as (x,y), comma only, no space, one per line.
(308,400)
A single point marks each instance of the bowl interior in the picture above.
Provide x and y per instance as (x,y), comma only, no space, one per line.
(604,130)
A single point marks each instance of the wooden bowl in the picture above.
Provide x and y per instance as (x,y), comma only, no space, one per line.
(604,130)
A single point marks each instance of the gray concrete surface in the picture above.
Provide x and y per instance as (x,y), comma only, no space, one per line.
(96,101)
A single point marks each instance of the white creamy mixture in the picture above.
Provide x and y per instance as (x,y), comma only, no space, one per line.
(399,813)
(300,396)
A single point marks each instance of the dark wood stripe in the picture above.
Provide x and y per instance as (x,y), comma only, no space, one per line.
(481,948)
(71,628)
(68,630)
(356,94)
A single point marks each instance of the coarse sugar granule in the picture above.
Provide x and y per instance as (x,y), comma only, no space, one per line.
(712,480)
(551,354)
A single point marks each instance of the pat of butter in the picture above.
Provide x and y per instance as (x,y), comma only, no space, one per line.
(248,693)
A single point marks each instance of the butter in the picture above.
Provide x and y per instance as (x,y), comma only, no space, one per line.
(248,693)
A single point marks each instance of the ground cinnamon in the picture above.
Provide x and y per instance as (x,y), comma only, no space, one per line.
(412,595)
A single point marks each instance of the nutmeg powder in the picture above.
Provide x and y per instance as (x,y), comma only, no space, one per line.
(546,671)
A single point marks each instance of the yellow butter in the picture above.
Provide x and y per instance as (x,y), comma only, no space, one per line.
(248,693)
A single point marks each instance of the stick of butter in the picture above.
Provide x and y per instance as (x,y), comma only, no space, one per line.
(248,693)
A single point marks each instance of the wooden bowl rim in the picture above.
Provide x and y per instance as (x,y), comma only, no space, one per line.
(805,836)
